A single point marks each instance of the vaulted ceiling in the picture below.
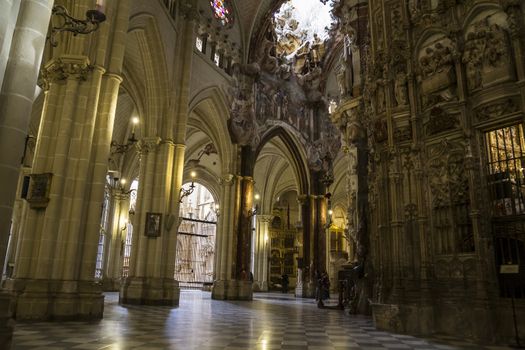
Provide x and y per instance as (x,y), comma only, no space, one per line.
(250,13)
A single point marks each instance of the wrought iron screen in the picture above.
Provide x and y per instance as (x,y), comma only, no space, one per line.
(195,253)
(506,162)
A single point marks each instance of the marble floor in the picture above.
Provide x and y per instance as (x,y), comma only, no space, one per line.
(271,321)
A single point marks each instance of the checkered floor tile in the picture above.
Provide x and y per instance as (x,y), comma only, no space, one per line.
(271,321)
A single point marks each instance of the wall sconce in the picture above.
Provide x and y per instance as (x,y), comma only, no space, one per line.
(117,148)
(208,150)
(186,192)
(75,25)
(254,211)
(329,218)
(119,186)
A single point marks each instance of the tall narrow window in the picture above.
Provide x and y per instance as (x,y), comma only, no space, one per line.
(198,43)
(222,11)
(102,237)
(126,249)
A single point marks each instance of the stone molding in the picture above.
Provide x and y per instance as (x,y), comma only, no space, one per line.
(66,67)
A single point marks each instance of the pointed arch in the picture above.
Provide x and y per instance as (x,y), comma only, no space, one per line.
(297,155)
(209,113)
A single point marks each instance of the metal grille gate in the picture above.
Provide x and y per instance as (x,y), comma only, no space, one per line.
(506,183)
(195,253)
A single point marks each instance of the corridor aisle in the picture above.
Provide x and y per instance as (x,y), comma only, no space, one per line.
(271,321)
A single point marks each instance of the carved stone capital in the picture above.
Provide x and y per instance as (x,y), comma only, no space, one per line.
(148,145)
(227,179)
(65,67)
(302,199)
(265,218)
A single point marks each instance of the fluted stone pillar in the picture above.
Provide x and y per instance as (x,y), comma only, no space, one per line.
(23,28)
(55,265)
(262,246)
(152,263)
(226,285)
(8,18)
(244,239)
(306,207)
(115,240)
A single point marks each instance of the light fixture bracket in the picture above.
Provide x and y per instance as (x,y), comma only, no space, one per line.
(74,25)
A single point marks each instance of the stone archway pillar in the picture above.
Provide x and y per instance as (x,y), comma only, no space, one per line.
(152,263)
(225,285)
(55,264)
(26,25)
(115,240)
(262,245)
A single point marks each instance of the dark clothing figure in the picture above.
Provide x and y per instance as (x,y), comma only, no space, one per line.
(285,283)
(323,289)
(251,276)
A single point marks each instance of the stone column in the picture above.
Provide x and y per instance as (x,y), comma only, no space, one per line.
(152,261)
(55,265)
(8,18)
(244,240)
(24,23)
(19,211)
(115,240)
(262,253)
(308,267)
(225,286)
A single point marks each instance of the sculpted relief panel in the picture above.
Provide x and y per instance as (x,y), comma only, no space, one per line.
(437,72)
(486,56)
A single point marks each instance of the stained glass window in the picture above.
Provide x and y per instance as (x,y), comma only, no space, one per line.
(222,11)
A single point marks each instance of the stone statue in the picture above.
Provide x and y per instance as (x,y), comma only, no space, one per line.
(400,89)
(316,51)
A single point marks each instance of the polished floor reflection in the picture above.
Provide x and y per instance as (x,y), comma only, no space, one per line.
(271,321)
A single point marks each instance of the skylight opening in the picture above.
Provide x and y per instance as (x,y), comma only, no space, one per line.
(300,21)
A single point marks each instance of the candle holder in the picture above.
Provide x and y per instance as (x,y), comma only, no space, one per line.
(75,25)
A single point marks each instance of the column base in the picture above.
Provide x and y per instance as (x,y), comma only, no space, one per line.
(232,290)
(46,300)
(260,286)
(299,290)
(149,291)
(411,319)
(111,284)
(7,323)
(305,290)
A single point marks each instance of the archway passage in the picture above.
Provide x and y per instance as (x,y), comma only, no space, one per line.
(196,238)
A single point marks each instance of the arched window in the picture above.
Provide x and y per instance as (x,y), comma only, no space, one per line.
(222,11)
(102,237)
(196,239)
(129,228)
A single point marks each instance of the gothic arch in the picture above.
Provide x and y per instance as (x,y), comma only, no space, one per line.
(476,11)
(209,113)
(297,156)
(206,179)
(146,51)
